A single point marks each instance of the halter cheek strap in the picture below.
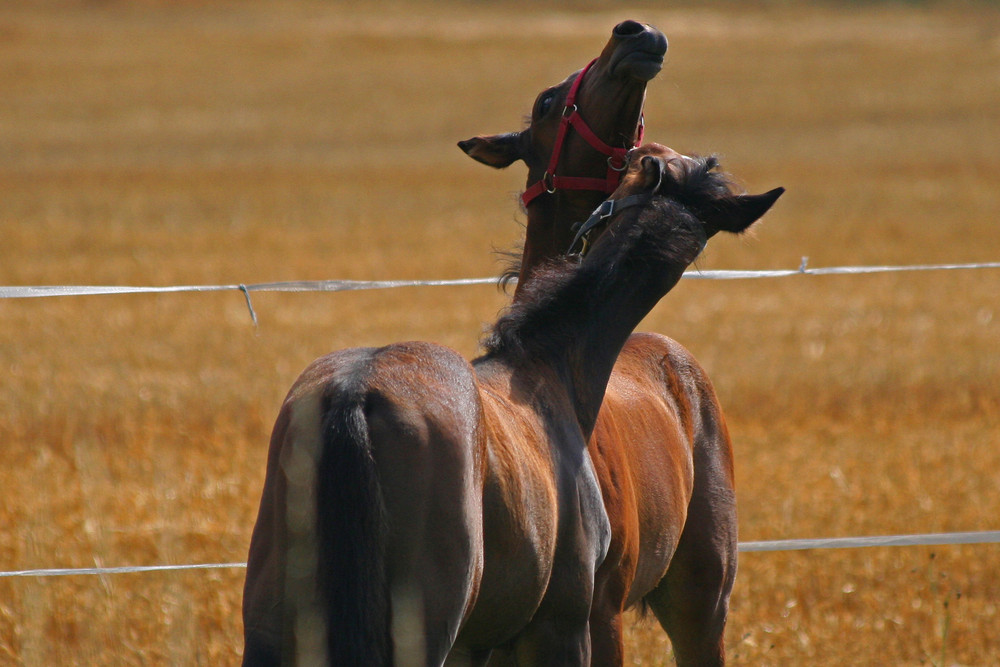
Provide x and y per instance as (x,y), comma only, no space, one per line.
(608,208)
(571,117)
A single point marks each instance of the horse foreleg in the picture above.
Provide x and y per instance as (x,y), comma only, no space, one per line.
(606,622)
(552,644)
(607,640)
(692,600)
(559,635)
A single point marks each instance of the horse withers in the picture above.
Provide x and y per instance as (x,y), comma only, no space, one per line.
(422,510)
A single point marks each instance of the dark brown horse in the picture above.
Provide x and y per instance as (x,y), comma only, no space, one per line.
(419,509)
(660,447)
(575,144)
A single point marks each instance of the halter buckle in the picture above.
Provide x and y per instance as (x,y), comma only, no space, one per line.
(549,182)
(605,210)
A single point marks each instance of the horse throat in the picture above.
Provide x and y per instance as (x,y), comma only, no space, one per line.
(549,231)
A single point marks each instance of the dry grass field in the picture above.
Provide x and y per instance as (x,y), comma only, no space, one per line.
(203,143)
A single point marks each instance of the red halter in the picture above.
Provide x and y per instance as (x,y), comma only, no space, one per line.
(616,156)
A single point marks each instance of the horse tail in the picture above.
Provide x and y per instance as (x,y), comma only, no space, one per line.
(349,597)
(351,526)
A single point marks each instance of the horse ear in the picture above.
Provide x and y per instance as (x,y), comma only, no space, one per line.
(653,169)
(735,214)
(498,150)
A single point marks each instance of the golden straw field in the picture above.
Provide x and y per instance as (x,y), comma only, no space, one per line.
(167,143)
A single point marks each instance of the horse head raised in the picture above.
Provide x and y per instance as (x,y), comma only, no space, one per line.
(577,138)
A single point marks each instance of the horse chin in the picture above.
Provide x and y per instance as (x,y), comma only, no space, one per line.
(640,66)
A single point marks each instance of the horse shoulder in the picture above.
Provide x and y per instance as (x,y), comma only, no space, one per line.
(520,471)
(520,518)
(649,410)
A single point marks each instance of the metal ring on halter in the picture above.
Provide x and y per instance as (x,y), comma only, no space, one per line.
(548,182)
(621,168)
(569,111)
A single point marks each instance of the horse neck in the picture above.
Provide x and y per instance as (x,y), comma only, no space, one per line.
(578,330)
(549,230)
(606,321)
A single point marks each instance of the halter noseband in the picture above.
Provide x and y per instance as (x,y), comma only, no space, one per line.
(549,182)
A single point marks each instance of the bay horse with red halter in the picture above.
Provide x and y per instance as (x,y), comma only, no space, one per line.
(421,510)
(660,447)
(575,144)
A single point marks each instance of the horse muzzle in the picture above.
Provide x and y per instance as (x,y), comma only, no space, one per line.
(639,51)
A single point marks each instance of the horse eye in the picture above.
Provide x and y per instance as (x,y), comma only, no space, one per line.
(545,103)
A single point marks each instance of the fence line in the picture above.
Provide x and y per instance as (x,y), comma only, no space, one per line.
(125,569)
(926,539)
(38,291)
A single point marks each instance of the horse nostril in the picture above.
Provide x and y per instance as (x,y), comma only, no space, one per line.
(628,29)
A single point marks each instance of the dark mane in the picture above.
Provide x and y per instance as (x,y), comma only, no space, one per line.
(698,185)
(510,257)
(512,264)
(547,314)
(545,298)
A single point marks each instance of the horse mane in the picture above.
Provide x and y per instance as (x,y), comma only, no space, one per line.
(511,259)
(697,186)
(547,299)
(547,314)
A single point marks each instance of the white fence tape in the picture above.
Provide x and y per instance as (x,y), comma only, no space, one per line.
(126,569)
(37,291)
(929,539)
(27,292)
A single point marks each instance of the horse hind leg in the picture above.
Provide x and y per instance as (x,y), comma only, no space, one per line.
(434,560)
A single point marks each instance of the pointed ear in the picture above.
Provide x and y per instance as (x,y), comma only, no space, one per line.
(498,150)
(735,214)
(653,169)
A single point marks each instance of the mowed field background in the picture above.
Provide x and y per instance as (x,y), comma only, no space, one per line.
(205,143)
